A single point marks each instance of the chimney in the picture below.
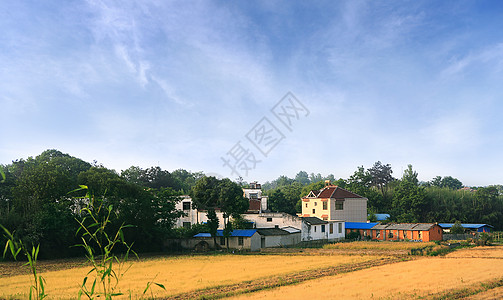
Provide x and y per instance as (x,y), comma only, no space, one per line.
(327,182)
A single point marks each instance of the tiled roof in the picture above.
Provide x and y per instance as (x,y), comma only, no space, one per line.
(336,192)
(272,231)
(404,226)
(314,220)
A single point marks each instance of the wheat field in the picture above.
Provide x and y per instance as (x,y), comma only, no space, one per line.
(180,274)
(404,280)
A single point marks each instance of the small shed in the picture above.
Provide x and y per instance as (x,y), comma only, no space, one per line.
(276,237)
(469,227)
(407,231)
(240,239)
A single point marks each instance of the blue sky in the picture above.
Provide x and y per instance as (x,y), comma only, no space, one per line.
(179,84)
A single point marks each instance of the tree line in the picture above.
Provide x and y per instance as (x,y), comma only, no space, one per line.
(37,204)
(406,199)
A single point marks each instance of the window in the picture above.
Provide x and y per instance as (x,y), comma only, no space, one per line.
(314,211)
(222,240)
(340,227)
(390,234)
(404,234)
(253,196)
(240,241)
(325,205)
(420,234)
(322,228)
(339,205)
(306,205)
(186,205)
(331,228)
(378,234)
(269,219)
(315,203)
(314,228)
(186,225)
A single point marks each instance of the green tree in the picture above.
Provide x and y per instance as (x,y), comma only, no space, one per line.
(231,203)
(380,176)
(410,203)
(205,195)
(457,228)
(302,177)
(452,183)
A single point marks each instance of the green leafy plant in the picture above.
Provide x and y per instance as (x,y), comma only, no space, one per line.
(99,245)
(16,247)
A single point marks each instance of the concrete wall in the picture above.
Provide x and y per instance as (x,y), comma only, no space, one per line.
(315,232)
(276,219)
(354,210)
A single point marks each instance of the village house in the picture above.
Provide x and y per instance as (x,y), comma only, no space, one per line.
(335,203)
(424,232)
(394,232)
(252,239)
(314,228)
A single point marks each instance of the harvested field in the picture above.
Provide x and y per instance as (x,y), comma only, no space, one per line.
(425,277)
(185,273)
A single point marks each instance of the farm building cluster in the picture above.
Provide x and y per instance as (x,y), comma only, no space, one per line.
(329,214)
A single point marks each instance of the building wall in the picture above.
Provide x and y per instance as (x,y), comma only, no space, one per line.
(354,210)
(271,220)
(435,234)
(249,243)
(315,232)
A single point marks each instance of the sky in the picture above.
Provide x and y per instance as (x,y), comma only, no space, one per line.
(257,89)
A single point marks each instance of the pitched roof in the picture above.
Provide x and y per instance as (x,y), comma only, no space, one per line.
(335,192)
(314,220)
(359,225)
(235,232)
(272,231)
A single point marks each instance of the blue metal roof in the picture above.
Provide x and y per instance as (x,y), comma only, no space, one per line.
(360,225)
(469,226)
(235,232)
(382,217)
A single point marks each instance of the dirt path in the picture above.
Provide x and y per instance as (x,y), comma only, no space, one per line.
(283,280)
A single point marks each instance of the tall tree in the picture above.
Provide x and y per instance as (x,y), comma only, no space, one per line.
(381,176)
(205,195)
(410,203)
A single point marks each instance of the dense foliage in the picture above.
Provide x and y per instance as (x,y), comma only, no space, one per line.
(36,202)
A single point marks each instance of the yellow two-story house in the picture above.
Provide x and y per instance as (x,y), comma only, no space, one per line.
(335,203)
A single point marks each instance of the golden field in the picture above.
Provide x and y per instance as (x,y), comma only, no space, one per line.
(181,274)
(424,277)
